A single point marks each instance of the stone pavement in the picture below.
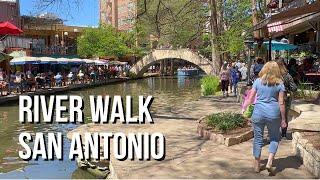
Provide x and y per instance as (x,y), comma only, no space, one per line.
(188,156)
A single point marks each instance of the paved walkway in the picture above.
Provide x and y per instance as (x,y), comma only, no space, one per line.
(188,156)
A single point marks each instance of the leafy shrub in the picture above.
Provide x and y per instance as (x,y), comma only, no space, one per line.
(226,121)
(132,75)
(305,92)
(209,85)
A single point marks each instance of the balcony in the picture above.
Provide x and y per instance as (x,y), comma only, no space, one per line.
(278,6)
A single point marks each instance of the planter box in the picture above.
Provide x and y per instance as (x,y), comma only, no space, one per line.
(219,138)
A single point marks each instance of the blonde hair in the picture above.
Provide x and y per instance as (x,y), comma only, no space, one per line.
(270,74)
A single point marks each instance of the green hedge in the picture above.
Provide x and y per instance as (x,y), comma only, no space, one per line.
(226,121)
(210,85)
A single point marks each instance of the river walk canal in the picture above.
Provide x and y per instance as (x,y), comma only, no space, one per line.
(169,93)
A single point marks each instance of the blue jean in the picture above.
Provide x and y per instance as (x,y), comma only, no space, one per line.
(273,127)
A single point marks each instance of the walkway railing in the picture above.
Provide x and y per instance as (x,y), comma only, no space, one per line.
(47,83)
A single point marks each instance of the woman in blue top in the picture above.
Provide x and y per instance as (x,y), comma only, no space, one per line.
(269,111)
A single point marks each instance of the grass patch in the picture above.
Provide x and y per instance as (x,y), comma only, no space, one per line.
(210,85)
(226,121)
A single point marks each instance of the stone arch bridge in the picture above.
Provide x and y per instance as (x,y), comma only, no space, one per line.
(143,64)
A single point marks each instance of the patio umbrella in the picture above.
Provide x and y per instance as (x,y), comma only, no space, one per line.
(48,60)
(77,61)
(25,60)
(63,61)
(279,46)
(88,61)
(100,63)
(115,63)
(6,28)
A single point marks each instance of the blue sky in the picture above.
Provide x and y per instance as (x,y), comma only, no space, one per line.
(86,14)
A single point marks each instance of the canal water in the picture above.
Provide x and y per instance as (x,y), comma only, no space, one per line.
(168,92)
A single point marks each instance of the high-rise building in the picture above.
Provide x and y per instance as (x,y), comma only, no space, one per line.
(118,13)
(10,11)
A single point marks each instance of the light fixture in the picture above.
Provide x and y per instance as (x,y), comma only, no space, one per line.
(66,33)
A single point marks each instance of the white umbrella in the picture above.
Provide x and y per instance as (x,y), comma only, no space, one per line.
(24,60)
(63,60)
(77,60)
(99,62)
(88,61)
(48,60)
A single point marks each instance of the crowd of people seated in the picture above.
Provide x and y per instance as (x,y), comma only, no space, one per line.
(19,82)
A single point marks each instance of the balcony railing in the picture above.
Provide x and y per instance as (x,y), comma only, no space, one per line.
(285,5)
(55,50)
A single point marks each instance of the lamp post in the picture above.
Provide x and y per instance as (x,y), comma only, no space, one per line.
(249,44)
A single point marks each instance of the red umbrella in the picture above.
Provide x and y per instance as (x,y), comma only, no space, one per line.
(6,28)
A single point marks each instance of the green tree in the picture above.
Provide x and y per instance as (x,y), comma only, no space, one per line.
(236,20)
(177,23)
(105,41)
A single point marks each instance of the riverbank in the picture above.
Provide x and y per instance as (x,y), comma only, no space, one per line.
(188,156)
(59,90)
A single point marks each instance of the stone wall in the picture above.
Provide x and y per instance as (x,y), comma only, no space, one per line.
(305,125)
(309,154)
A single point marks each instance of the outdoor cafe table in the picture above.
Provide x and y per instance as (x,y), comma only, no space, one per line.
(313,77)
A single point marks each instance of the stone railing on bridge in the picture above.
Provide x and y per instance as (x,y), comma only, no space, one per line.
(159,54)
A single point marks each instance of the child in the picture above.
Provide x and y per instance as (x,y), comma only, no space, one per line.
(247,95)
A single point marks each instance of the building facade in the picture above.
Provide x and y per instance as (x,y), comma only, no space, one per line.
(10,11)
(118,13)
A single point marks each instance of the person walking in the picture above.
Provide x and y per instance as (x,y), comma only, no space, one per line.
(225,79)
(269,110)
(290,87)
(244,72)
(235,78)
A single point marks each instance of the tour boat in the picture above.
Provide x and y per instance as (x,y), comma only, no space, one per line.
(188,72)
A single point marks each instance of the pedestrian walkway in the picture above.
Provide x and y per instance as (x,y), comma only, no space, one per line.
(188,156)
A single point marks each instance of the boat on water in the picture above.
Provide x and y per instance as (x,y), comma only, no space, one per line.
(188,72)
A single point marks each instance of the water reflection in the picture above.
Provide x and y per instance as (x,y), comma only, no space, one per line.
(168,92)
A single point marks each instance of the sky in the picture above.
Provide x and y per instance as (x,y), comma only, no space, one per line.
(84,14)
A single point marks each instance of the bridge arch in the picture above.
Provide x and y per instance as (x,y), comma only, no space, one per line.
(143,64)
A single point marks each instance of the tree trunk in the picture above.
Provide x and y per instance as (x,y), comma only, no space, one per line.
(216,60)
(255,19)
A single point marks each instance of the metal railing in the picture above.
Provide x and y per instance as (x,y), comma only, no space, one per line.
(293,4)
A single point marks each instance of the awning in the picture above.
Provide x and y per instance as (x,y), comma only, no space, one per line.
(291,14)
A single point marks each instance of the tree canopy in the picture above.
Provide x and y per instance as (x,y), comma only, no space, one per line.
(105,41)
(173,22)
